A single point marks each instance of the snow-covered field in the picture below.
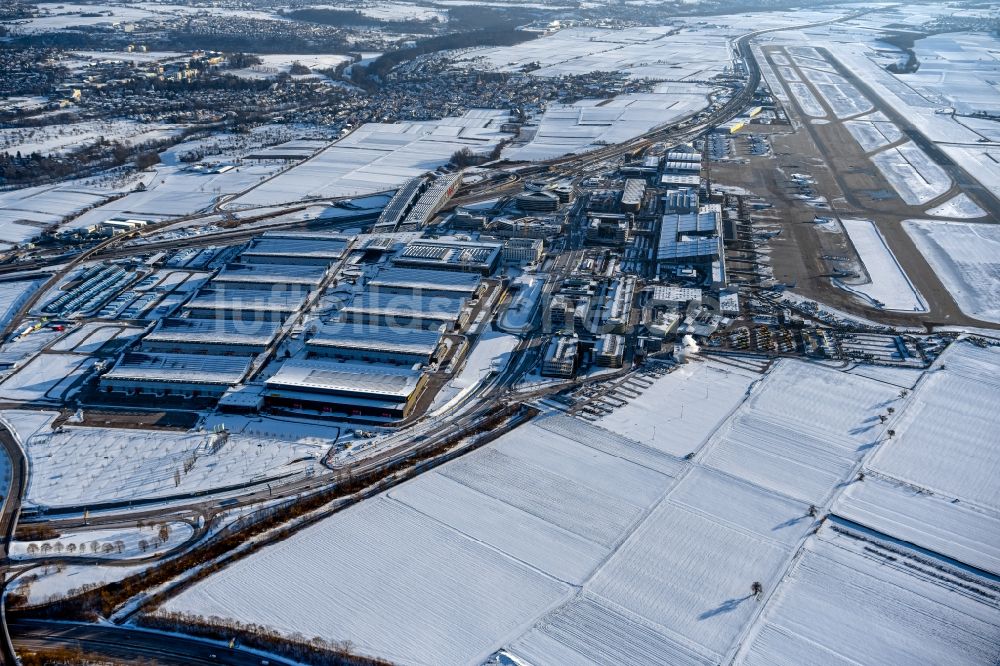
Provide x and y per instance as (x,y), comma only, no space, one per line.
(26,212)
(852,599)
(81,466)
(681,410)
(888,285)
(961,207)
(802,431)
(915,177)
(946,437)
(377,157)
(966,258)
(57,139)
(568,543)
(843,98)
(807,101)
(590,123)
(642,53)
(872,135)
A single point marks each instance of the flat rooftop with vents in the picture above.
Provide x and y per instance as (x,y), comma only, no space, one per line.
(383,344)
(348,389)
(175,374)
(452,255)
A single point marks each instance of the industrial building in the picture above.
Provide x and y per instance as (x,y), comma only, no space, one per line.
(416,202)
(523,250)
(344,390)
(618,297)
(245,304)
(375,344)
(607,228)
(408,311)
(275,277)
(284,247)
(187,375)
(662,295)
(400,204)
(211,336)
(609,350)
(561,356)
(426,282)
(452,255)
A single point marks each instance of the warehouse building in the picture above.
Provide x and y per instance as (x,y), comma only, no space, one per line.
(221,337)
(375,344)
(693,240)
(308,248)
(245,304)
(187,375)
(408,311)
(275,277)
(450,255)
(426,282)
(344,390)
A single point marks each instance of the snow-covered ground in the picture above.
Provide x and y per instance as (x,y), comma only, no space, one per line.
(490,355)
(915,177)
(966,258)
(802,431)
(650,52)
(591,123)
(62,138)
(888,285)
(47,377)
(851,599)
(843,99)
(679,412)
(13,295)
(945,438)
(377,157)
(55,582)
(960,207)
(807,101)
(872,135)
(566,542)
(125,543)
(81,466)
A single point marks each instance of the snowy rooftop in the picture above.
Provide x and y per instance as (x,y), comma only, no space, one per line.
(181,368)
(270,274)
(420,279)
(377,338)
(222,331)
(444,307)
(333,377)
(249,299)
(265,246)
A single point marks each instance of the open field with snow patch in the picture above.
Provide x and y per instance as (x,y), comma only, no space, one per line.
(682,409)
(915,177)
(966,258)
(45,377)
(961,207)
(922,609)
(946,435)
(873,135)
(843,99)
(806,100)
(93,465)
(802,431)
(888,285)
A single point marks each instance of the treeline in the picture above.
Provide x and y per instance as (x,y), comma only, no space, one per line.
(315,652)
(35,168)
(382,65)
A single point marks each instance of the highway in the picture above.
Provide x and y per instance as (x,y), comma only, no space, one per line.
(130,645)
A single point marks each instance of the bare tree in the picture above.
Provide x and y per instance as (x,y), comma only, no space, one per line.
(108,548)
(119,545)
(58,547)
(143,545)
(46,548)
(71,548)
(164,532)
(32,549)
(757,589)
(812,510)
(94,547)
